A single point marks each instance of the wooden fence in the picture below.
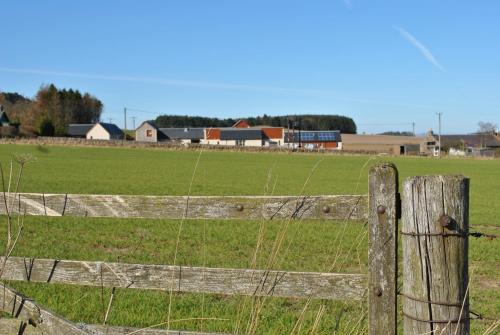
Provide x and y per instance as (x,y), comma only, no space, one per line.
(435,228)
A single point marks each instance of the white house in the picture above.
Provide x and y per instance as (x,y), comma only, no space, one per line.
(105,131)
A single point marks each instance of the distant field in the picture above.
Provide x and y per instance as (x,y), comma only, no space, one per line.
(227,243)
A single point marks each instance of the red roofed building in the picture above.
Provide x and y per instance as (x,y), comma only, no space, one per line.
(241,124)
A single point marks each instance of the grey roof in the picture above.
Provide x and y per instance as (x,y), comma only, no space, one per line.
(111,128)
(183,133)
(472,140)
(241,134)
(151,123)
(314,136)
(80,129)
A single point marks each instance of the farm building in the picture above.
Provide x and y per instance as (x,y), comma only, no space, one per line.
(245,136)
(242,134)
(324,139)
(233,136)
(472,144)
(149,132)
(394,145)
(273,136)
(104,131)
(184,135)
(78,130)
(241,124)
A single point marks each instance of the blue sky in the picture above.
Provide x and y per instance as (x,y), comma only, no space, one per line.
(386,64)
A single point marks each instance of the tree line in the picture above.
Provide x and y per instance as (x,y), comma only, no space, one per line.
(304,122)
(51,110)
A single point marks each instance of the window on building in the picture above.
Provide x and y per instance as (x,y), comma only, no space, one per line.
(240,143)
(149,133)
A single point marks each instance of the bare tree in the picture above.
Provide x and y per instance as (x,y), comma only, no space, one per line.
(486,127)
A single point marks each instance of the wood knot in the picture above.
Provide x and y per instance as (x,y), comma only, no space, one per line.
(445,221)
(380,209)
(326,209)
(239,207)
(378,292)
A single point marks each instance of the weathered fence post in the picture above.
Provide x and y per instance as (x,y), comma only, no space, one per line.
(382,251)
(435,255)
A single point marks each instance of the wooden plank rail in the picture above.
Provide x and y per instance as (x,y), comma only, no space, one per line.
(333,286)
(12,326)
(329,207)
(32,314)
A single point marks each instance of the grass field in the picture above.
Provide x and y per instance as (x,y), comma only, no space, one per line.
(228,243)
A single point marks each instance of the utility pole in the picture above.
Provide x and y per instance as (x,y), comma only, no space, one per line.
(300,128)
(133,121)
(125,123)
(110,120)
(439,115)
(288,130)
(413,125)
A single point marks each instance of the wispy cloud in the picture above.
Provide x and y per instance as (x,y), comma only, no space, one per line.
(422,48)
(160,81)
(329,94)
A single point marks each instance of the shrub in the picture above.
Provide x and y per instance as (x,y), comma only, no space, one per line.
(46,128)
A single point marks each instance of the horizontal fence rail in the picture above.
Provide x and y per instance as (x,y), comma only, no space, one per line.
(30,318)
(333,207)
(12,326)
(332,286)
(46,321)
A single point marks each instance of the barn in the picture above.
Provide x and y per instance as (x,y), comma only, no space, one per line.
(183,135)
(148,132)
(78,130)
(394,145)
(104,131)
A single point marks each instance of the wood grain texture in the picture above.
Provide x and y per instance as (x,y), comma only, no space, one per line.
(12,326)
(328,207)
(314,285)
(113,330)
(435,258)
(30,313)
(382,251)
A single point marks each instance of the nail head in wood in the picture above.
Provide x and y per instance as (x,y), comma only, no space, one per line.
(326,209)
(381,209)
(239,207)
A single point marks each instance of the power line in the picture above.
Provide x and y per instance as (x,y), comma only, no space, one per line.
(385,124)
(143,111)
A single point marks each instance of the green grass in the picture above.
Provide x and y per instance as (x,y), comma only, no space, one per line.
(308,246)
(159,172)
